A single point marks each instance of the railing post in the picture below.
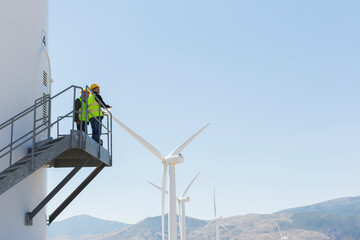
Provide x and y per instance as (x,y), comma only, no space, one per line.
(80,117)
(111,138)
(100,126)
(73,118)
(87,114)
(33,139)
(49,117)
(108,131)
(11,140)
(57,125)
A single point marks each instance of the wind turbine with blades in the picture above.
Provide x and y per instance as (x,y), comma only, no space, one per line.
(170,160)
(181,202)
(281,236)
(218,222)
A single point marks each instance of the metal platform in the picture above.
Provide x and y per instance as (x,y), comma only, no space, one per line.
(75,150)
(79,147)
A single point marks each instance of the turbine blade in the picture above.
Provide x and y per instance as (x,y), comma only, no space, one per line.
(224,226)
(207,225)
(214,204)
(143,142)
(156,186)
(163,186)
(183,194)
(182,146)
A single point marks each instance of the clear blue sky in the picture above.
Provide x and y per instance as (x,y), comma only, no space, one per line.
(277,80)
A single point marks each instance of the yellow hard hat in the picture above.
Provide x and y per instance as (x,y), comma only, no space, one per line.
(94,86)
(84,89)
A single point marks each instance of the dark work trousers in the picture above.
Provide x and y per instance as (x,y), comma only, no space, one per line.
(96,128)
(82,125)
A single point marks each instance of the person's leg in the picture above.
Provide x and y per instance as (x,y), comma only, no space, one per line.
(100,127)
(77,126)
(94,125)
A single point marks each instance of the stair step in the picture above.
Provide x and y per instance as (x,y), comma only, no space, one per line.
(45,147)
(27,158)
(46,143)
(43,142)
(23,161)
(12,168)
(56,140)
(3,175)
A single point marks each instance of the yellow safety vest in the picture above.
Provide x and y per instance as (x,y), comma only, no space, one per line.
(93,107)
(82,115)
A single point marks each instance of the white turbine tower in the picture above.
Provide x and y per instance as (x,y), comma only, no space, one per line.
(281,236)
(171,160)
(218,222)
(181,201)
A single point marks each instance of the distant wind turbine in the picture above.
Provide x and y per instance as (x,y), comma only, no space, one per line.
(181,201)
(281,236)
(171,160)
(218,222)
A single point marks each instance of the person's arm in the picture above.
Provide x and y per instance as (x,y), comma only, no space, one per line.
(77,108)
(102,101)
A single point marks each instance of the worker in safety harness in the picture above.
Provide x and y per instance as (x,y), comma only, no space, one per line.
(80,110)
(95,111)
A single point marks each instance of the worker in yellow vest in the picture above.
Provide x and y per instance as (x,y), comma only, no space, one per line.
(95,111)
(80,110)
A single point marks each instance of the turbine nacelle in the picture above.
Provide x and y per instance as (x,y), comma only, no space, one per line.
(174,159)
(184,199)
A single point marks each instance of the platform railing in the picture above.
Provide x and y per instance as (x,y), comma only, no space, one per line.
(43,124)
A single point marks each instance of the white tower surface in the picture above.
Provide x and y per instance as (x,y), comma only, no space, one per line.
(24,75)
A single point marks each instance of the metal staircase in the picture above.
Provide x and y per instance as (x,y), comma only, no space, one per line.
(74,150)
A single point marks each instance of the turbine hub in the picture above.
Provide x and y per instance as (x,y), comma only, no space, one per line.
(184,199)
(174,159)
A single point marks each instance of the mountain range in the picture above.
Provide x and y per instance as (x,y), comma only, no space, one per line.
(330,220)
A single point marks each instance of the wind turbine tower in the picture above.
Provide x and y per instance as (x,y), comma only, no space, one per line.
(218,222)
(25,76)
(170,160)
(26,145)
(181,201)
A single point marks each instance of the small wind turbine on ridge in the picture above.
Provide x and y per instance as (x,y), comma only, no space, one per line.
(181,201)
(171,160)
(281,236)
(218,222)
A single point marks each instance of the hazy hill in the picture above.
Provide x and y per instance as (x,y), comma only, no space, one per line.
(78,226)
(257,226)
(248,227)
(332,225)
(149,228)
(349,206)
(331,220)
